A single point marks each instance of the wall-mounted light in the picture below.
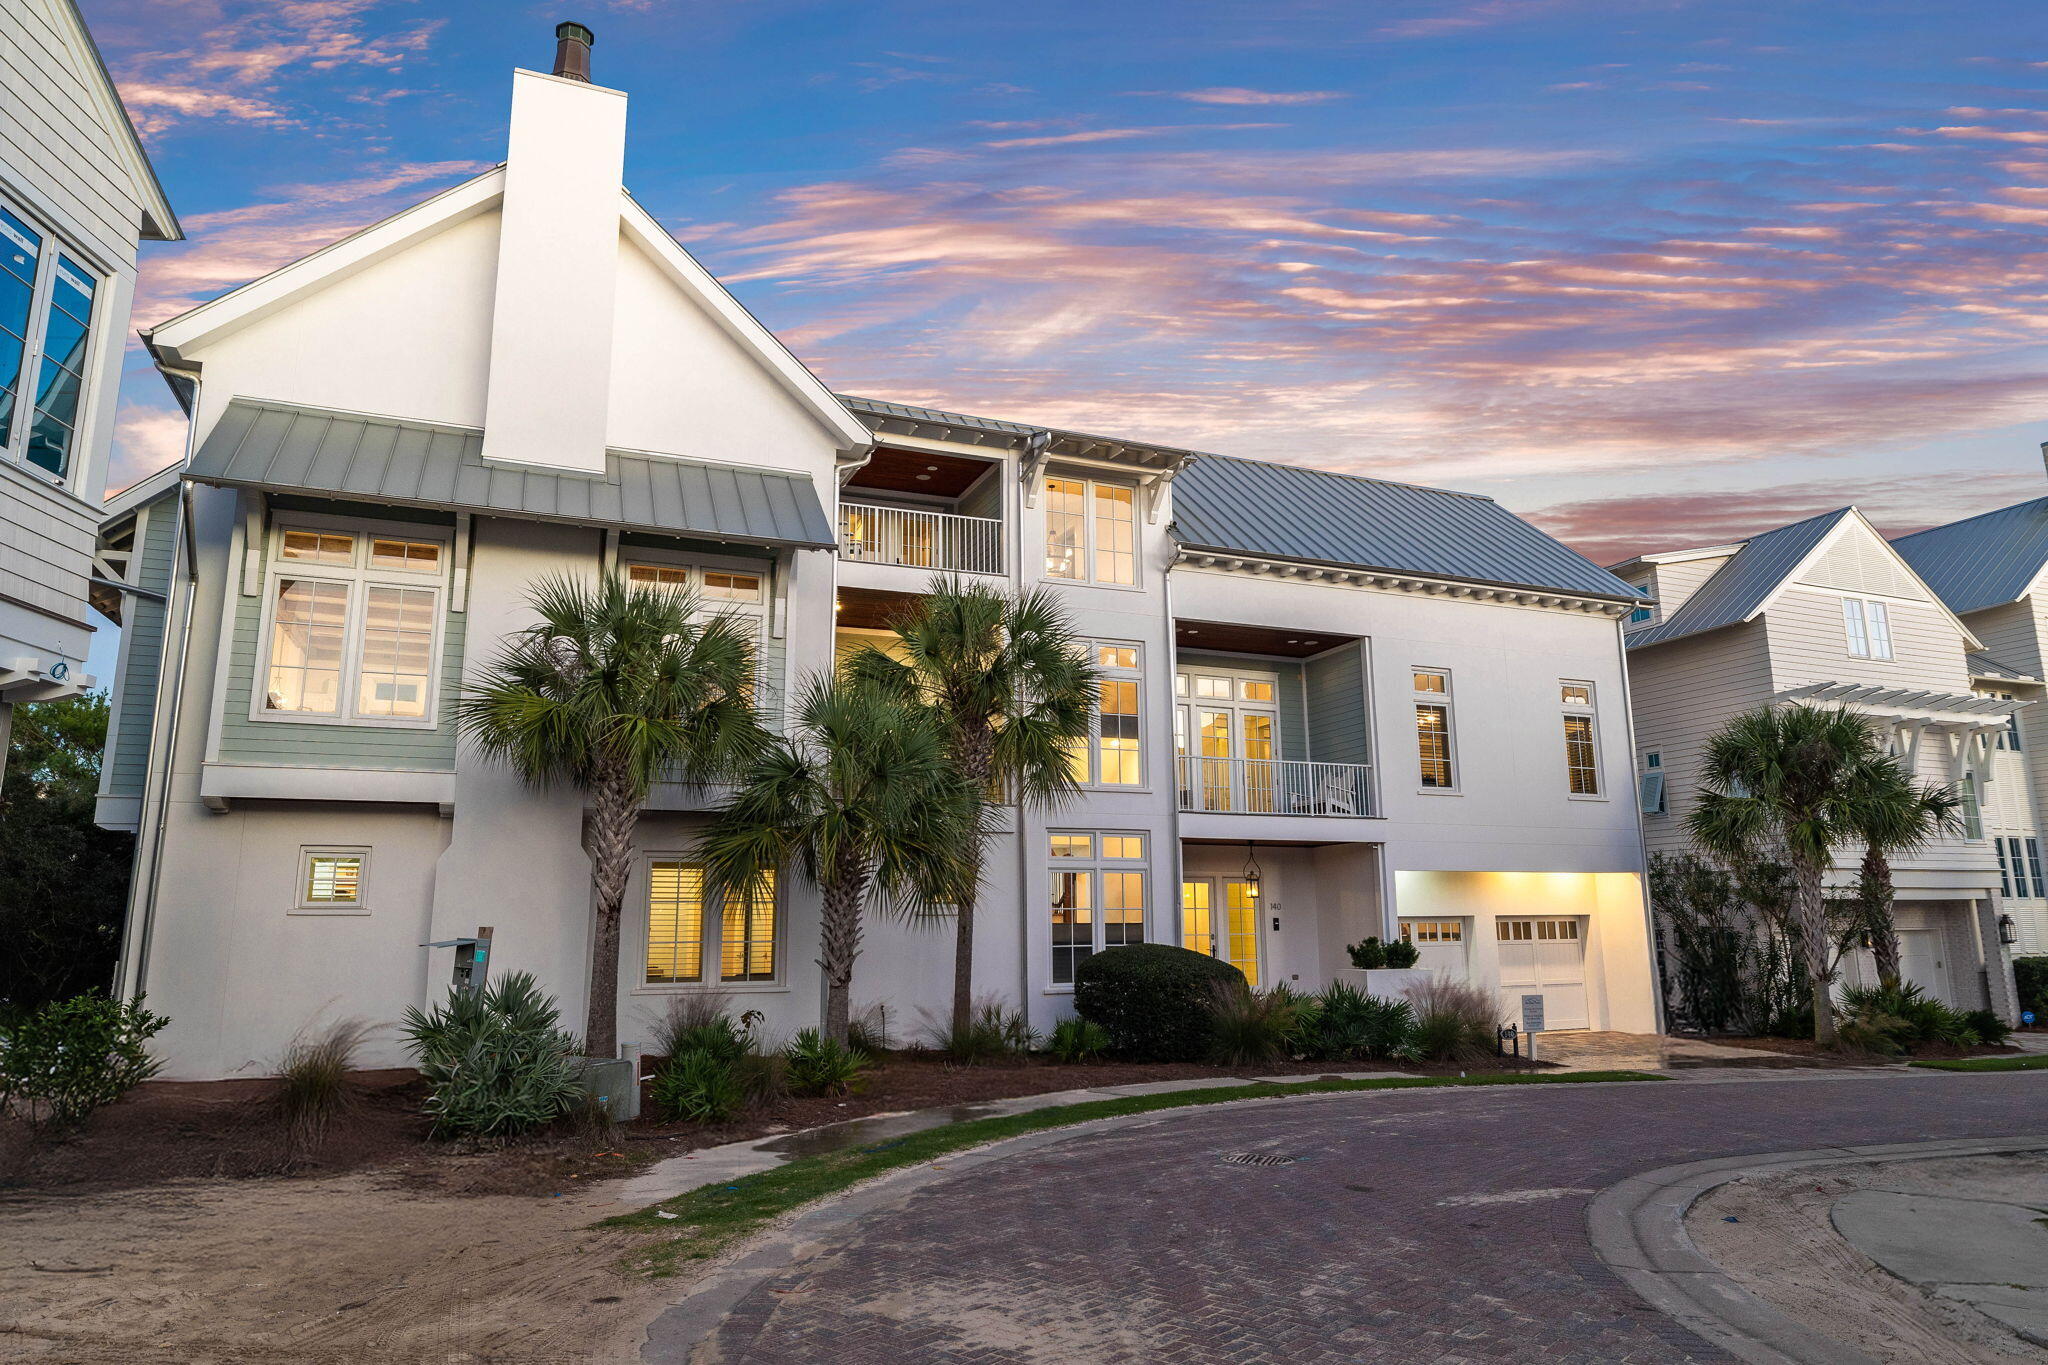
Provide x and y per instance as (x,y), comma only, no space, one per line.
(2008,931)
(1252,875)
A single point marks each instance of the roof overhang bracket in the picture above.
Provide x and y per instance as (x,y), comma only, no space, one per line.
(1037,449)
(1155,493)
(253,507)
(458,599)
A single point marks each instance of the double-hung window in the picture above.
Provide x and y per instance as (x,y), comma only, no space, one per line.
(1113,754)
(1581,747)
(1098,885)
(1091,531)
(683,941)
(46,319)
(2019,864)
(353,626)
(1868,626)
(1434,744)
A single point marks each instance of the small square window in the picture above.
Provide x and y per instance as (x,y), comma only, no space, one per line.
(1247,690)
(1123,845)
(731,587)
(413,556)
(1116,656)
(1575,694)
(1073,845)
(1218,688)
(658,573)
(318,547)
(1431,682)
(331,880)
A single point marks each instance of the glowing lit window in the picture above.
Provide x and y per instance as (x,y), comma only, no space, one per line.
(1096,902)
(1091,531)
(681,937)
(353,628)
(331,880)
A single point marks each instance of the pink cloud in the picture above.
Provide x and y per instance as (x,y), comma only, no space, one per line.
(1238,94)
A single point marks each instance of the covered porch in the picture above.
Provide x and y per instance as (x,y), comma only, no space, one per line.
(1281,911)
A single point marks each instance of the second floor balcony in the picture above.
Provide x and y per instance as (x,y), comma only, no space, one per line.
(914,538)
(1273,786)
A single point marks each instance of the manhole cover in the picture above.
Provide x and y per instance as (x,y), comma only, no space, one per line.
(1257,1159)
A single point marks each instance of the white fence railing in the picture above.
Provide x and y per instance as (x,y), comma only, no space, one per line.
(1274,786)
(872,534)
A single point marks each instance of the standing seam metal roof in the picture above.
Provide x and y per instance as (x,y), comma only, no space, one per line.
(1741,585)
(1985,561)
(382,459)
(1291,512)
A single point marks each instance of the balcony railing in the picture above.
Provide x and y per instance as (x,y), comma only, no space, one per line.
(871,534)
(1274,786)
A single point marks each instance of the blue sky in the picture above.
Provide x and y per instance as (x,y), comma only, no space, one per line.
(1654,274)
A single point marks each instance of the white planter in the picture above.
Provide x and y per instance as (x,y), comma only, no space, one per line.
(1388,983)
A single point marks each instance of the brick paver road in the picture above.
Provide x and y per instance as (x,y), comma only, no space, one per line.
(1418,1226)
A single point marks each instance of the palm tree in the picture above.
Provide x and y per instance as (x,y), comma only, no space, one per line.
(863,797)
(618,686)
(1894,815)
(1791,783)
(1012,689)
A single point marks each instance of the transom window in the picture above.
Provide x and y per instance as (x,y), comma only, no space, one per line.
(46,318)
(1868,626)
(1098,893)
(1581,751)
(1113,755)
(681,939)
(1436,756)
(1536,930)
(1091,531)
(1433,930)
(354,627)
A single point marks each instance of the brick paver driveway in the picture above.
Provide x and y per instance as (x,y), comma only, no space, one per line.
(1436,1225)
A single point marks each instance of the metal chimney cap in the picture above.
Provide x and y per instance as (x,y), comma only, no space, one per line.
(571,29)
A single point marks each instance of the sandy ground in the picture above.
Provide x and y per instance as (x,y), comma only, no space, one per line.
(1784,1249)
(350,1269)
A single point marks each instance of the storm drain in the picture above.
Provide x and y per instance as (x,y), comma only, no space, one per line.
(1257,1159)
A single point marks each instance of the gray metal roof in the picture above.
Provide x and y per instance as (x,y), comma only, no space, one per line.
(1985,561)
(1739,587)
(906,412)
(1290,512)
(1991,670)
(419,464)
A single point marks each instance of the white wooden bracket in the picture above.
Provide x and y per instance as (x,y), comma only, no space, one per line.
(459,594)
(252,508)
(1036,450)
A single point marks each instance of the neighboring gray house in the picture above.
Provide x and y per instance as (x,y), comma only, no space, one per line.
(1824,611)
(1332,706)
(77,194)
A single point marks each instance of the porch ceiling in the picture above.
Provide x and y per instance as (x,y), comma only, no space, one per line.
(915,471)
(1241,639)
(872,608)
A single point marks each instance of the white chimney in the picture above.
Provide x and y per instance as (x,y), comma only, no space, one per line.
(558,248)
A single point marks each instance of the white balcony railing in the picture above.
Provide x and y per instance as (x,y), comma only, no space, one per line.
(1274,786)
(871,534)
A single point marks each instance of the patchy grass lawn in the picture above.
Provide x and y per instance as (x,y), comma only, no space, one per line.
(2035,1062)
(701,1223)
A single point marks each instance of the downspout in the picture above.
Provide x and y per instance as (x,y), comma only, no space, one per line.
(1628,711)
(133,968)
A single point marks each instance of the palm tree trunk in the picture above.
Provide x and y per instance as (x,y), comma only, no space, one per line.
(977,759)
(1877,895)
(839,942)
(613,815)
(1809,905)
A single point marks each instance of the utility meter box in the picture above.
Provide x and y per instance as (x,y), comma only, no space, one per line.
(472,958)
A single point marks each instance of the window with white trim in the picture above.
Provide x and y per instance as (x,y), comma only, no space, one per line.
(46,318)
(331,881)
(1436,931)
(1098,895)
(1112,756)
(353,626)
(1091,531)
(1581,744)
(1973,809)
(683,941)
(719,591)
(1868,626)
(1435,747)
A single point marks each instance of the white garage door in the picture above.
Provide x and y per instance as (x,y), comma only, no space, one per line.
(1439,944)
(1544,957)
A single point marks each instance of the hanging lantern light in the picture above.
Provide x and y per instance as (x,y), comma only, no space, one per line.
(1252,875)
(2008,931)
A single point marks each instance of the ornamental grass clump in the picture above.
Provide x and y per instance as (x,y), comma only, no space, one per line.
(314,1086)
(497,1062)
(1455,1022)
(994,1032)
(816,1065)
(711,1067)
(1250,1027)
(61,1063)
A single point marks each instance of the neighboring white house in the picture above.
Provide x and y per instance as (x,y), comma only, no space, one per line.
(76,196)
(1824,611)
(1332,706)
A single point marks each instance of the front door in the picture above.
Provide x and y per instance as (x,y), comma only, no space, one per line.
(1219,916)
(1923,963)
(1544,957)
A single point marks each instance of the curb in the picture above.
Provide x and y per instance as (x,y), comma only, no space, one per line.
(1637,1228)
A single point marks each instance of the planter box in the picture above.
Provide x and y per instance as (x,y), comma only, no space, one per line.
(1388,983)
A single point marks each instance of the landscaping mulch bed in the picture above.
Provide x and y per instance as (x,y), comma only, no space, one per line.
(181,1130)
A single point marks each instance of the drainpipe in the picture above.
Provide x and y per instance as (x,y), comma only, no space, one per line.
(133,967)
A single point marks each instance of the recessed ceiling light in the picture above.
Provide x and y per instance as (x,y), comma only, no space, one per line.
(926,477)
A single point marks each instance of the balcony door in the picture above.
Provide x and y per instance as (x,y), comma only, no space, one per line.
(1233,762)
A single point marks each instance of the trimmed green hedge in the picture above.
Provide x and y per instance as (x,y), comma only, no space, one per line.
(2030,974)
(1153,1000)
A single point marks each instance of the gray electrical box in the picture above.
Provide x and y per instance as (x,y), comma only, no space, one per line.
(472,958)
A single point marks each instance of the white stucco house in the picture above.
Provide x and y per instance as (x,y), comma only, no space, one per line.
(77,196)
(1823,611)
(1332,706)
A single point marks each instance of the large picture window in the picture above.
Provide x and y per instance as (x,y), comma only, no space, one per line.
(46,318)
(353,629)
(1113,753)
(1091,531)
(682,940)
(1098,896)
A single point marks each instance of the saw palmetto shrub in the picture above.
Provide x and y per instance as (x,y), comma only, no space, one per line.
(1155,1001)
(497,1062)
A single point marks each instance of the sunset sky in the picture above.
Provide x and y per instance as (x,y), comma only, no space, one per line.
(1653,274)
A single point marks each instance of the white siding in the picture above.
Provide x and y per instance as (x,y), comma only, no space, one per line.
(1684,692)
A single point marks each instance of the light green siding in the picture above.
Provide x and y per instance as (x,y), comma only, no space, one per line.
(142,643)
(1335,684)
(1287,677)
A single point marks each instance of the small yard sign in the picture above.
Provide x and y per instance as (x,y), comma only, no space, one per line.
(1532,1014)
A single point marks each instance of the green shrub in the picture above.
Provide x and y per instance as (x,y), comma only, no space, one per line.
(815,1065)
(1249,1027)
(699,1087)
(1402,953)
(1077,1040)
(69,1058)
(313,1085)
(700,1021)
(1454,1021)
(496,1062)
(994,1032)
(1989,1028)
(1153,1000)
(1368,956)
(2030,974)
(1345,1024)
(1892,1019)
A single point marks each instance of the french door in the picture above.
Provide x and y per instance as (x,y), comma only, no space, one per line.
(1232,767)
(1219,916)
